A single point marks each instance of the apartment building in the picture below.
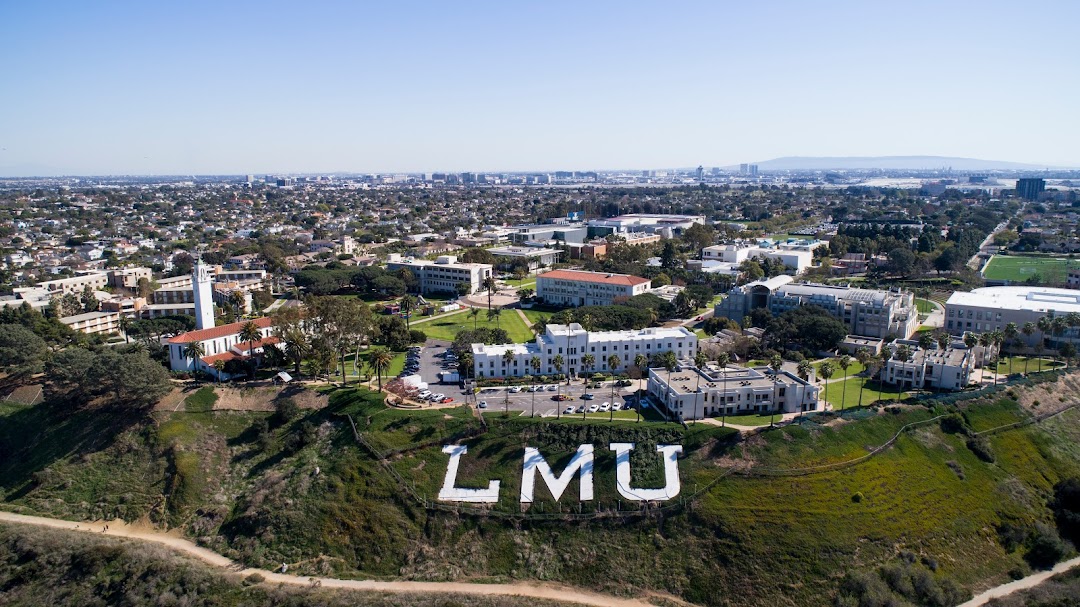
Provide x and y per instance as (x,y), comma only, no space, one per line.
(578,288)
(948,369)
(444,274)
(94,322)
(693,393)
(573,342)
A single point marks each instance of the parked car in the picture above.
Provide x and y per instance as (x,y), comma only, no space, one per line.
(515,389)
(593,408)
(615,406)
(424,393)
(482,404)
(569,409)
(588,396)
(446,400)
(552,388)
(560,397)
(605,406)
(580,409)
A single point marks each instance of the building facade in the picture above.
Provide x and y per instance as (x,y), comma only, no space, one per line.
(533,257)
(444,274)
(219,343)
(948,369)
(573,342)
(692,393)
(992,308)
(578,288)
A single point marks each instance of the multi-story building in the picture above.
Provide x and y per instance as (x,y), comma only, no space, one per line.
(1030,188)
(664,224)
(534,257)
(578,288)
(692,393)
(948,369)
(95,279)
(993,308)
(128,278)
(219,343)
(797,255)
(444,274)
(866,312)
(550,233)
(573,342)
(94,322)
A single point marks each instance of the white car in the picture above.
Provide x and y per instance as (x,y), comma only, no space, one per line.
(515,389)
(482,404)
(569,409)
(552,388)
(593,408)
(535,388)
(605,406)
(615,406)
(424,393)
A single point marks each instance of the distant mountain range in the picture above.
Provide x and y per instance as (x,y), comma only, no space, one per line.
(814,163)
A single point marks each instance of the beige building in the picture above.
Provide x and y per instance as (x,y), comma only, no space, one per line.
(690,393)
(94,322)
(577,288)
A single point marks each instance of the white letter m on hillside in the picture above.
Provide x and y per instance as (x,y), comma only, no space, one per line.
(534,462)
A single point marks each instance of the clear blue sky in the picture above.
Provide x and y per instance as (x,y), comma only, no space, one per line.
(198,87)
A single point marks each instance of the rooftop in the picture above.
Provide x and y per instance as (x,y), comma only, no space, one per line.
(1031,299)
(219,331)
(597,277)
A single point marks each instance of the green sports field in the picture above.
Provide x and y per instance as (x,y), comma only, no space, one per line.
(1015,268)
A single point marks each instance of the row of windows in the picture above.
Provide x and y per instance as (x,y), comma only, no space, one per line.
(978,315)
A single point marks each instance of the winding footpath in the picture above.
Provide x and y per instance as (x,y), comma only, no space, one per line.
(120,529)
(1024,583)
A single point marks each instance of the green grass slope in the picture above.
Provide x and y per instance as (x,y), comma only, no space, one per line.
(773,518)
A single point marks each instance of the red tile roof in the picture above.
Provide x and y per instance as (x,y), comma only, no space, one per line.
(225,356)
(599,277)
(216,332)
(255,345)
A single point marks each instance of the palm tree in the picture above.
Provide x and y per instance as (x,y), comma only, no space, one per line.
(775,363)
(825,371)
(723,359)
(380,361)
(195,351)
(864,357)
(843,363)
(124,324)
(943,340)
(250,333)
(219,366)
(699,361)
(296,346)
(613,363)
(489,285)
(641,363)
(970,340)
(237,301)
(535,363)
(494,313)
(903,354)
(1067,351)
(669,361)
(804,370)
(474,313)
(1028,330)
(408,304)
(466,362)
(587,362)
(558,363)
(508,359)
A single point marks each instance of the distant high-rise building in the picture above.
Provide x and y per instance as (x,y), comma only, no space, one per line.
(753,170)
(700,173)
(1030,188)
(716,171)
(250,179)
(743,168)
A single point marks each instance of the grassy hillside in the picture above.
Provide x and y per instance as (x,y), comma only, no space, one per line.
(939,506)
(65,569)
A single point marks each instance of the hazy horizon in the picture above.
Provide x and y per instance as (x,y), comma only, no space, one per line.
(136,88)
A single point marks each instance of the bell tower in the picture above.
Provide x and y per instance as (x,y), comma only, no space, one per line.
(203,285)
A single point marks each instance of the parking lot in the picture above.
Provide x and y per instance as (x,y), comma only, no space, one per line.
(432,362)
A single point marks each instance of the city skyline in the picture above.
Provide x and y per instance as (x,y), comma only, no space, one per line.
(263,88)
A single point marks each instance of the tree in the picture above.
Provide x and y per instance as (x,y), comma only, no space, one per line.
(237,300)
(669,362)
(90,303)
(219,367)
(70,369)
(21,350)
(865,358)
(613,363)
(194,351)
(342,322)
(408,304)
(775,363)
(844,362)
(902,354)
(474,313)
(380,360)
(669,258)
(534,363)
(134,378)
(825,372)
(901,262)
(250,333)
(508,359)
(588,361)
(723,359)
(1028,330)
(490,286)
(1068,352)
(494,313)
(558,363)
(124,324)
(462,289)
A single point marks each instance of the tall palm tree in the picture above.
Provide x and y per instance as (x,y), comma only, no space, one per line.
(943,340)
(489,285)
(825,371)
(508,359)
(970,340)
(250,333)
(804,370)
(903,354)
(669,362)
(775,363)
(237,299)
(1028,330)
(587,362)
(466,362)
(613,363)
(380,360)
(297,346)
(474,313)
(494,313)
(558,363)
(124,324)
(723,359)
(700,359)
(535,363)
(864,357)
(408,304)
(844,362)
(641,363)
(195,351)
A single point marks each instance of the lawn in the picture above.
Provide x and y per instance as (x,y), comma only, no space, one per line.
(447,327)
(534,314)
(1016,268)
(855,368)
(846,393)
(925,306)
(396,365)
(753,419)
(1018,364)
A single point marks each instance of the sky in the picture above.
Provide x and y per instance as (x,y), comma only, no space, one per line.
(94,88)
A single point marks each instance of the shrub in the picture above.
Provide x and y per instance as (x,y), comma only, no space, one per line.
(955,467)
(1066,507)
(858,497)
(981,448)
(1045,547)
(953,424)
(285,410)
(254,578)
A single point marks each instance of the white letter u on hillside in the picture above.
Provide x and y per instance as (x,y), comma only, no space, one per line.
(670,453)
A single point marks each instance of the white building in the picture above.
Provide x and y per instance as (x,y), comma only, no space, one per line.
(948,369)
(219,343)
(992,308)
(692,393)
(94,322)
(444,274)
(203,286)
(659,223)
(573,342)
(534,257)
(796,254)
(577,288)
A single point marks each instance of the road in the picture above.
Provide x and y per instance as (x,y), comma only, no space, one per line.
(119,529)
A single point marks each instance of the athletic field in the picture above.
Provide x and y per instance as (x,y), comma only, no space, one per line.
(1017,269)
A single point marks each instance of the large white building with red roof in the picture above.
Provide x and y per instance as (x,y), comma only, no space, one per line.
(578,288)
(219,343)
